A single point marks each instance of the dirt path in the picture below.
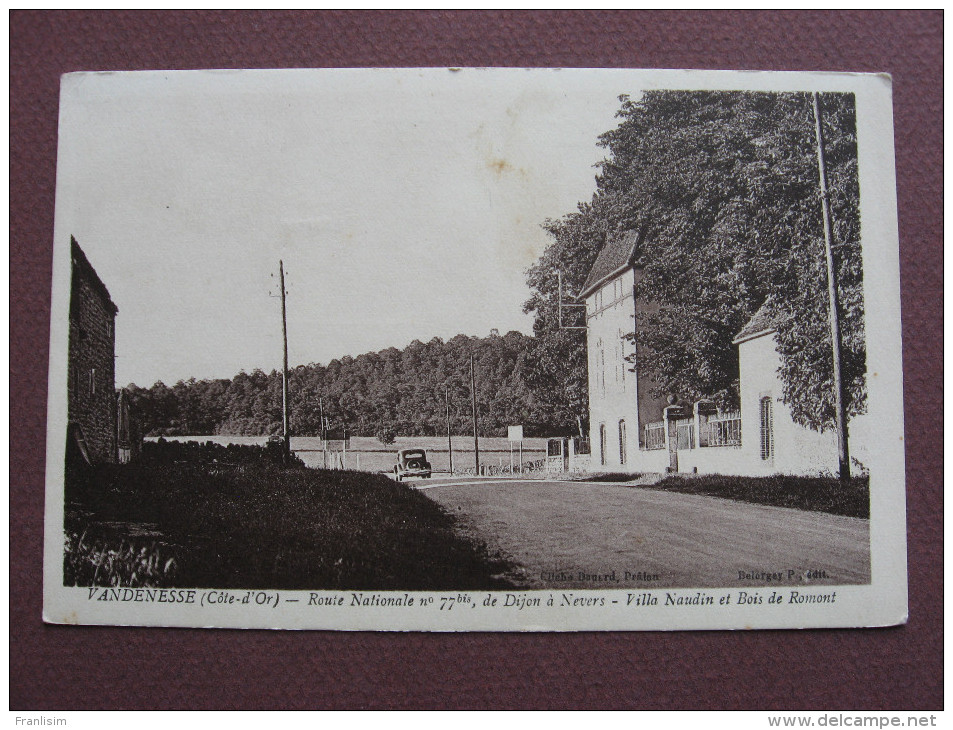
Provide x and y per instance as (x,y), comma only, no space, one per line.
(603,535)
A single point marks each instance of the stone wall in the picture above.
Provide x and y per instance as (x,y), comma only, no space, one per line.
(91,376)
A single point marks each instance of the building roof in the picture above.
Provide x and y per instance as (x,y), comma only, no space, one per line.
(82,263)
(762,323)
(616,256)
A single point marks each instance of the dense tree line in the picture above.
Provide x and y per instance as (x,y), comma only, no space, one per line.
(400,390)
(722,189)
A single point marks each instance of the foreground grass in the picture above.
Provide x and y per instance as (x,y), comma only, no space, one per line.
(610,476)
(816,494)
(99,561)
(257,525)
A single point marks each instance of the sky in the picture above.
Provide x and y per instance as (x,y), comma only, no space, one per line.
(405,204)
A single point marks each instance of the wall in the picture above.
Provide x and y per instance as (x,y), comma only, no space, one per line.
(650,406)
(610,313)
(712,459)
(91,400)
(616,392)
(797,450)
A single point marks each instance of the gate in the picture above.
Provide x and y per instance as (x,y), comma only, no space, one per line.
(673,415)
(685,433)
(557,455)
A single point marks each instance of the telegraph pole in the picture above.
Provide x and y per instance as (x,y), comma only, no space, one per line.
(449,440)
(286,443)
(473,409)
(833,310)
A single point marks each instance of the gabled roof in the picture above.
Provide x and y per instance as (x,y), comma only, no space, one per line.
(616,256)
(81,262)
(762,323)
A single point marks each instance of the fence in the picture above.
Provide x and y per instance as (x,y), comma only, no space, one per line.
(654,435)
(723,430)
(494,470)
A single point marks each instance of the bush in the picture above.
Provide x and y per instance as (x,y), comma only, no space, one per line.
(386,435)
(611,477)
(208,453)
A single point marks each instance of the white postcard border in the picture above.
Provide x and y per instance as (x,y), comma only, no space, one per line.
(883,602)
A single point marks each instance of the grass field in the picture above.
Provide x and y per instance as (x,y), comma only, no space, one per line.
(816,494)
(230,522)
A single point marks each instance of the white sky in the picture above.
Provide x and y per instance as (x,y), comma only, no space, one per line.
(405,204)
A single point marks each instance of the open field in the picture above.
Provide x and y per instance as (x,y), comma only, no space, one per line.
(573,535)
(228,521)
(366,453)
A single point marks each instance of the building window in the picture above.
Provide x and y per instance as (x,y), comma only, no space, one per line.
(92,381)
(622,442)
(602,444)
(109,327)
(767,429)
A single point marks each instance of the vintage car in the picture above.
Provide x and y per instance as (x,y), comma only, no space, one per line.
(412,463)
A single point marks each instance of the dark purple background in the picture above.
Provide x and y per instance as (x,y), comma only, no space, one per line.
(54,667)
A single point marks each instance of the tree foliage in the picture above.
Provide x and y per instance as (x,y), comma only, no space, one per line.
(398,391)
(386,435)
(555,365)
(723,188)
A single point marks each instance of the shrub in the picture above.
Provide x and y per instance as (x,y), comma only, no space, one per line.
(386,435)
(208,453)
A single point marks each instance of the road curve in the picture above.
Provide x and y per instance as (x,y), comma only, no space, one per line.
(599,535)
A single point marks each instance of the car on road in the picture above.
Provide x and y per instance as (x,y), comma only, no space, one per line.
(412,463)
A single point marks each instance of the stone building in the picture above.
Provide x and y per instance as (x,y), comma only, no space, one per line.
(91,399)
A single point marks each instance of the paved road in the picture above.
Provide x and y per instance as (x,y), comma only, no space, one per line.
(589,535)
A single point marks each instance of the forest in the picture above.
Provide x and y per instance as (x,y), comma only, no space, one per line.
(403,391)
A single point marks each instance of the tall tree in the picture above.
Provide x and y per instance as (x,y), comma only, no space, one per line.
(723,188)
(554,367)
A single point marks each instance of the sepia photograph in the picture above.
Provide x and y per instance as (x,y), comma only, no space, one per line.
(456,349)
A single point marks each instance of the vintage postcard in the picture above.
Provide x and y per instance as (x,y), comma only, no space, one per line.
(475,349)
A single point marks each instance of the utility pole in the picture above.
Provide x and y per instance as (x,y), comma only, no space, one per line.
(286,444)
(473,409)
(323,432)
(840,415)
(449,440)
